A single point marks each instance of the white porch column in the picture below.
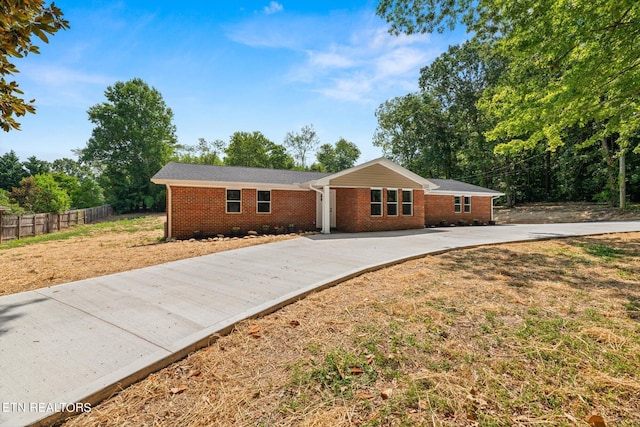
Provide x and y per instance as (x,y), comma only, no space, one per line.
(326,209)
(492,200)
(169,234)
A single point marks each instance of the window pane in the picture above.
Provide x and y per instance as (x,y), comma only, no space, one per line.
(376,209)
(376,195)
(233,207)
(392,196)
(407,196)
(233,194)
(392,210)
(457,204)
(407,209)
(264,207)
(264,196)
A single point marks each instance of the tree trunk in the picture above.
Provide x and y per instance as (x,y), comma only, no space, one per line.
(611,178)
(622,177)
(547,176)
(510,191)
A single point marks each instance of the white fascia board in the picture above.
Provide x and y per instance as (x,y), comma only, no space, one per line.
(463,193)
(382,161)
(229,184)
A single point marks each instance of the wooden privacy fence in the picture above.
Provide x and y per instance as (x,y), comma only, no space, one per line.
(19,226)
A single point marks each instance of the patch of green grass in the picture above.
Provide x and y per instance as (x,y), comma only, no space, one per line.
(78,231)
(342,373)
(633,308)
(626,274)
(601,251)
(592,314)
(129,225)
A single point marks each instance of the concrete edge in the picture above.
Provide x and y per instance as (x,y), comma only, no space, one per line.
(270,307)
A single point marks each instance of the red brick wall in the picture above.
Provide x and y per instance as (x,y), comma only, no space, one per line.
(203,210)
(438,208)
(353,212)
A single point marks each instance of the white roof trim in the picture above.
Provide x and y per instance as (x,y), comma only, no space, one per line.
(228,184)
(463,193)
(384,162)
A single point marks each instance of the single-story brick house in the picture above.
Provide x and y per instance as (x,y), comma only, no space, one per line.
(374,196)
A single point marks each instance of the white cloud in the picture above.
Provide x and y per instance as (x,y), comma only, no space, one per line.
(274,7)
(59,85)
(367,66)
(345,56)
(355,88)
(278,32)
(61,76)
(330,60)
(400,61)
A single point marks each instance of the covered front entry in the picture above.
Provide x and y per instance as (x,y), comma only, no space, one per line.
(332,209)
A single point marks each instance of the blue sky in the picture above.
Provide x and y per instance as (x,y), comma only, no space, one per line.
(222,67)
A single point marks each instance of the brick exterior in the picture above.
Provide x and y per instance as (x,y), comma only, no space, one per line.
(438,208)
(202,211)
(353,212)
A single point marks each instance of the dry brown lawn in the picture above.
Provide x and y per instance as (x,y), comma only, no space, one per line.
(541,213)
(119,246)
(540,333)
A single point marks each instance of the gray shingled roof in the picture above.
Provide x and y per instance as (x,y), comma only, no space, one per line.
(191,172)
(453,186)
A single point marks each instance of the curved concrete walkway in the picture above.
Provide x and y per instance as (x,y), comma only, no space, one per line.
(81,341)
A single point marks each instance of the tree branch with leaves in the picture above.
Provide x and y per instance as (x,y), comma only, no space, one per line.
(20,21)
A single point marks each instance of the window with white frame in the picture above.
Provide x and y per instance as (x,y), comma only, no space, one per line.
(392,202)
(234,201)
(264,201)
(467,204)
(407,202)
(376,202)
(457,204)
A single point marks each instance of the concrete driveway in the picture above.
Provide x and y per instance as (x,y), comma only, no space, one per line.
(81,341)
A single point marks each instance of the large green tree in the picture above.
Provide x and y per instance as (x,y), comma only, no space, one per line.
(72,167)
(204,152)
(457,79)
(41,193)
(88,193)
(253,149)
(35,166)
(11,171)
(302,143)
(132,139)
(570,62)
(20,21)
(339,157)
(413,131)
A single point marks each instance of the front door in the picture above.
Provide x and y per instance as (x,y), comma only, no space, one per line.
(332,209)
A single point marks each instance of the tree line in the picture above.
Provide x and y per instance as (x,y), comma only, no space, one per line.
(35,185)
(541,102)
(133,137)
